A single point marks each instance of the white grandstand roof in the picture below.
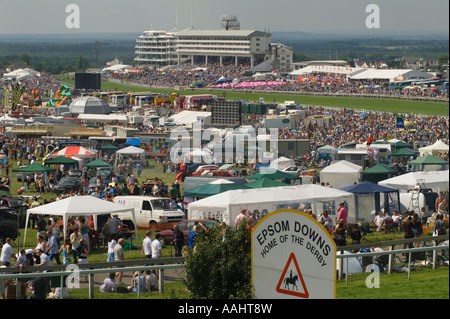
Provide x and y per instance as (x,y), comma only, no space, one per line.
(220,33)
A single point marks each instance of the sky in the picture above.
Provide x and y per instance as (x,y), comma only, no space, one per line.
(316,16)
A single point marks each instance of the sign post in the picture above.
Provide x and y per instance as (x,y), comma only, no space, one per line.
(293,256)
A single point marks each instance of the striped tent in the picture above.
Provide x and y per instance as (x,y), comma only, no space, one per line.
(77,151)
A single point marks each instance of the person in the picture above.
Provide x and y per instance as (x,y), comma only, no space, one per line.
(112,242)
(52,247)
(439,201)
(443,207)
(109,285)
(378,220)
(84,229)
(39,288)
(22,260)
(417,225)
(407,226)
(339,234)
(342,213)
(151,280)
(397,220)
(325,220)
(7,253)
(439,225)
(66,250)
(242,217)
(252,220)
(147,245)
(83,252)
(355,235)
(75,238)
(178,240)
(41,224)
(192,236)
(113,225)
(44,259)
(138,283)
(119,255)
(156,247)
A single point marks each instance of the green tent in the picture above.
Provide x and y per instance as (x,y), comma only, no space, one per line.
(34,168)
(428,160)
(403,153)
(97,163)
(273,174)
(213,189)
(61,160)
(400,144)
(378,173)
(107,147)
(265,182)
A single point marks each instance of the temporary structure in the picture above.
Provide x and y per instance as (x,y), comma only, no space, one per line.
(213,188)
(436,180)
(78,206)
(281,163)
(33,168)
(273,174)
(429,163)
(97,163)
(77,151)
(377,173)
(226,206)
(436,148)
(265,182)
(61,160)
(368,199)
(341,174)
(131,151)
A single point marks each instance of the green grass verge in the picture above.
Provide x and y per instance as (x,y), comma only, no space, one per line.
(370,104)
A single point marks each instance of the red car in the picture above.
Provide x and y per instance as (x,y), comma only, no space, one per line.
(186,226)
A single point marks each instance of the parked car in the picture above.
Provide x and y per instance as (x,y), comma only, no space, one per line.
(186,226)
(8,224)
(76,172)
(68,183)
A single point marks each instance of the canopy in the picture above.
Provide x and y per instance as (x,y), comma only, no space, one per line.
(213,188)
(326,149)
(265,182)
(226,206)
(399,144)
(108,147)
(377,173)
(34,168)
(368,199)
(429,163)
(437,147)
(78,151)
(131,150)
(273,174)
(341,174)
(97,163)
(436,180)
(61,160)
(402,152)
(78,206)
(281,163)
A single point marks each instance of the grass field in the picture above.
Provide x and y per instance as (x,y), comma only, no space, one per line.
(370,104)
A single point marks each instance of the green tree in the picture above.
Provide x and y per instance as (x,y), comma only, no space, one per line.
(25,58)
(220,269)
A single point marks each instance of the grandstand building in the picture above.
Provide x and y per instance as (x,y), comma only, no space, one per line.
(228,46)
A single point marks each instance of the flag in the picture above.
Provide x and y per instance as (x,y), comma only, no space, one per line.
(400,122)
(372,152)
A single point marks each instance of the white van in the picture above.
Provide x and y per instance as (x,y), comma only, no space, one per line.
(149,210)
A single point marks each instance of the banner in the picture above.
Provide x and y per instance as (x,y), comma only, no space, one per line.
(400,122)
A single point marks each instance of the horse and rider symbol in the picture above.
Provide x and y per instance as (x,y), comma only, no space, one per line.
(288,283)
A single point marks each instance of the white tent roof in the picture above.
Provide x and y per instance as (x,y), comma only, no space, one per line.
(227,205)
(436,180)
(117,67)
(437,147)
(77,206)
(341,174)
(131,150)
(282,162)
(189,117)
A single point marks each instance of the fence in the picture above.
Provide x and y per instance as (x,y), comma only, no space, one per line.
(178,263)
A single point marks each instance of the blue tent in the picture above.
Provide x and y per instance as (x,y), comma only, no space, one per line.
(367,188)
(133,141)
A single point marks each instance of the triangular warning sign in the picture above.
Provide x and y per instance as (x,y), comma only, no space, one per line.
(289,284)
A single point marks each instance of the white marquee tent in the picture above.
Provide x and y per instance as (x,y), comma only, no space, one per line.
(227,206)
(436,180)
(437,147)
(341,174)
(78,206)
(282,163)
(132,151)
